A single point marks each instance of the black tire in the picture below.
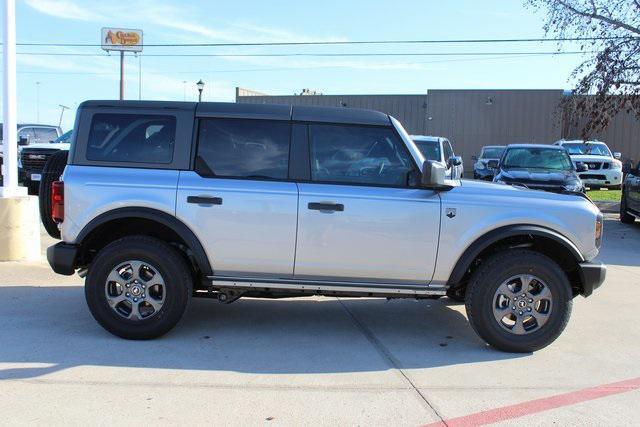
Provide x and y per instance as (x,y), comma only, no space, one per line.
(162,257)
(496,270)
(51,172)
(625,218)
(456,294)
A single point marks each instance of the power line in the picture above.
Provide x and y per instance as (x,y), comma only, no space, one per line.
(277,55)
(356,42)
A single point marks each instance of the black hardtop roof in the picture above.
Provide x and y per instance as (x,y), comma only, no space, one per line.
(257,111)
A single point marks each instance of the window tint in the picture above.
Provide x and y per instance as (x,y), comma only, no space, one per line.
(46,134)
(135,138)
(243,148)
(358,154)
(429,149)
(448,151)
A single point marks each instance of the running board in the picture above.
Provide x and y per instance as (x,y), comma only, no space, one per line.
(318,286)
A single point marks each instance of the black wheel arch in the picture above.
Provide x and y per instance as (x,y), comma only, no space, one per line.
(511,233)
(137,214)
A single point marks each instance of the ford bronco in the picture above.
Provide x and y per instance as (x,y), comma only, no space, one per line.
(159,202)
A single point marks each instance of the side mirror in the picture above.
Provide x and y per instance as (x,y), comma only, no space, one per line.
(23,141)
(455,161)
(617,155)
(493,164)
(433,174)
(581,167)
(475,158)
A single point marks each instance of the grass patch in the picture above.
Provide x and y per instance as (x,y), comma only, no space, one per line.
(605,195)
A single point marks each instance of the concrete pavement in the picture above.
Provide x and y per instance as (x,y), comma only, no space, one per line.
(311,361)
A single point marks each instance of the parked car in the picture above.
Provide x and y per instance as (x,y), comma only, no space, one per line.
(538,167)
(34,156)
(604,168)
(31,134)
(630,201)
(439,149)
(481,169)
(164,201)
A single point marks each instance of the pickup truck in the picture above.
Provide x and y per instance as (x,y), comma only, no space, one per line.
(160,202)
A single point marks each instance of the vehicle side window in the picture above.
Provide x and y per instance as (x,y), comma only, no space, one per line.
(27,133)
(132,138)
(448,151)
(243,148)
(46,134)
(359,155)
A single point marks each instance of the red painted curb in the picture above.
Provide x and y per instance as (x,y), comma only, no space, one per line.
(540,405)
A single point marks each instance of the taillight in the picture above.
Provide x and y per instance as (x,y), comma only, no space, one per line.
(57,201)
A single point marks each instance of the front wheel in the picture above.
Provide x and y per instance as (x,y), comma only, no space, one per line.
(138,287)
(519,301)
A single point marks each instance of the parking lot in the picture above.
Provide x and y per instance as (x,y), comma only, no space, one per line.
(316,360)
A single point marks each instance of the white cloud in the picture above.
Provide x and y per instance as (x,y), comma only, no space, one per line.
(65,9)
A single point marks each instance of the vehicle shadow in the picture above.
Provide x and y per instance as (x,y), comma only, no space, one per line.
(621,243)
(48,329)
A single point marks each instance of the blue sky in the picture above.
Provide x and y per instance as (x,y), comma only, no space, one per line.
(69,80)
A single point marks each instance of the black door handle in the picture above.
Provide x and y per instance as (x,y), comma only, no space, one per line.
(204,200)
(326,206)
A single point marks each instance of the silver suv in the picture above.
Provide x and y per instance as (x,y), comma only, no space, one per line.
(164,201)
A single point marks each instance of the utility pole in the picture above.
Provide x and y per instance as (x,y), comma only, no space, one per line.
(62,108)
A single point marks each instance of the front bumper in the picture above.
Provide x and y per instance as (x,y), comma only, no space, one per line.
(62,258)
(485,174)
(592,274)
(602,177)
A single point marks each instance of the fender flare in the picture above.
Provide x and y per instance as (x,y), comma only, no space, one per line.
(163,218)
(486,240)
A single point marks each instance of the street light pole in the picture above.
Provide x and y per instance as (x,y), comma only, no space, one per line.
(38,102)
(200,86)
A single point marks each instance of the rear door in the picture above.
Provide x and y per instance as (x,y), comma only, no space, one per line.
(238,199)
(362,218)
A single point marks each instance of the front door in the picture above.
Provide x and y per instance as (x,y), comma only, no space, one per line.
(359,218)
(238,201)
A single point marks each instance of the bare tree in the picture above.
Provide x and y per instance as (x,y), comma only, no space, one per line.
(611,73)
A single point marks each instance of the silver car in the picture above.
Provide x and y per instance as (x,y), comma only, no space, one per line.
(164,201)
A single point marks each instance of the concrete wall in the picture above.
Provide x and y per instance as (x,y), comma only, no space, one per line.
(473,118)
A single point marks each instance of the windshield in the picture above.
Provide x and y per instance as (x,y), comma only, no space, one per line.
(591,148)
(492,152)
(536,158)
(430,149)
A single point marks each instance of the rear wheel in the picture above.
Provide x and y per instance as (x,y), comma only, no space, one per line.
(625,218)
(51,172)
(519,301)
(138,287)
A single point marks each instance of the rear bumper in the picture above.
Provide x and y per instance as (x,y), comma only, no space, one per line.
(62,258)
(592,276)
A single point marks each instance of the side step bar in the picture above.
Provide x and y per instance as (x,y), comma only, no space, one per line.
(321,287)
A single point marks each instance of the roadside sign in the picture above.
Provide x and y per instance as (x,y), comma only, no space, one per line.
(121,39)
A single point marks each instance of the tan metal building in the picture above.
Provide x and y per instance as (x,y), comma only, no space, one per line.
(473,118)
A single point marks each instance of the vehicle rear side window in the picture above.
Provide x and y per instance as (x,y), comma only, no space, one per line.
(243,148)
(132,138)
(359,155)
